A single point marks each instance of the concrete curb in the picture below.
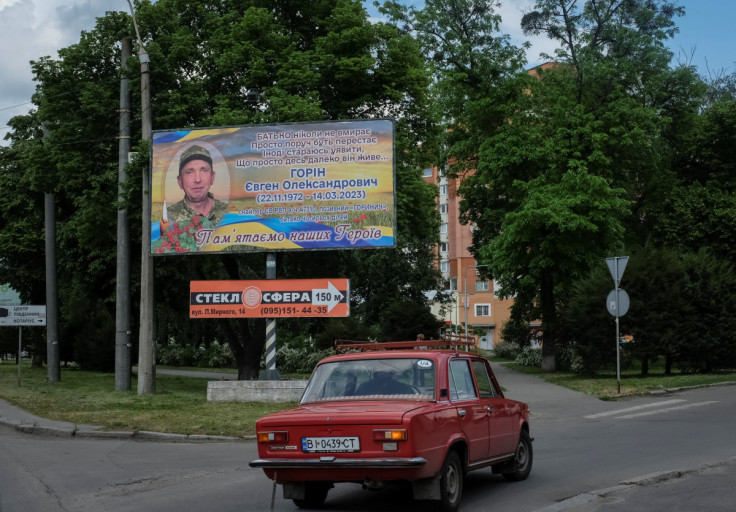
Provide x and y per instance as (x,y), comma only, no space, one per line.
(685,388)
(140,435)
(639,481)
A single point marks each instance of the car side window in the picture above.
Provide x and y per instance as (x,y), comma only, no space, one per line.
(461,380)
(485,385)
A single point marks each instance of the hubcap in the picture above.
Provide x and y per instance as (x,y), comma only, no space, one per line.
(452,480)
(521,455)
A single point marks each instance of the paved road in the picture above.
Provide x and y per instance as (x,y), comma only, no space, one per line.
(584,449)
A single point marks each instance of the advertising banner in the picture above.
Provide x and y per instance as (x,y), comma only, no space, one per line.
(301,186)
(270,298)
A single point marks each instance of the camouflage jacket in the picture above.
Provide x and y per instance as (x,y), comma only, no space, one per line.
(181,213)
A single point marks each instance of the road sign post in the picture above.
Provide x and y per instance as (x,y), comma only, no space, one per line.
(617,303)
(30,316)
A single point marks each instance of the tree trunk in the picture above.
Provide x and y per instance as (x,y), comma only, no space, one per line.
(645,366)
(548,321)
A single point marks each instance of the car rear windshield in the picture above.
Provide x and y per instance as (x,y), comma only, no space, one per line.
(372,379)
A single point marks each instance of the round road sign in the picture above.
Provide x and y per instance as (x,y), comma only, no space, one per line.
(618,306)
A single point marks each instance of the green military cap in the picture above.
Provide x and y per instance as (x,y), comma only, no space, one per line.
(194,152)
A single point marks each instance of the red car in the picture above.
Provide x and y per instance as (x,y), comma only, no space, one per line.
(397,411)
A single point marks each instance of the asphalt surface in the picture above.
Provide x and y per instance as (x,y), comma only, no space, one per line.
(708,487)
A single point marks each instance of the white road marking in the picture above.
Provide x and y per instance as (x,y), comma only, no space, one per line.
(637,408)
(668,409)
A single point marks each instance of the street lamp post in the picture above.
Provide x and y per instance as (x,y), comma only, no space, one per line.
(465,289)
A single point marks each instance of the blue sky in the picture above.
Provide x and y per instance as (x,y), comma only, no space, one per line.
(30,29)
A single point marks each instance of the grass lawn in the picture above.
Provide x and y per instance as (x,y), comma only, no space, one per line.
(604,385)
(179,406)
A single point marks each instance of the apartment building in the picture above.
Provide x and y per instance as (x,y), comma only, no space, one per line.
(473,299)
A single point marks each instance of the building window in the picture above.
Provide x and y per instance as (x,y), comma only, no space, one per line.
(482,310)
(453,284)
(427,173)
(443,228)
(496,288)
(481,286)
(443,208)
(443,190)
(445,266)
(443,247)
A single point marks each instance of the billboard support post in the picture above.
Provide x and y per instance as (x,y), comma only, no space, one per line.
(271,372)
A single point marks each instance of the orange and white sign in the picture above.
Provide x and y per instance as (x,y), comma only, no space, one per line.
(270,298)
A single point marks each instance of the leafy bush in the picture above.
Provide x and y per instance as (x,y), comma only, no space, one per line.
(300,358)
(529,357)
(507,350)
(217,356)
(568,359)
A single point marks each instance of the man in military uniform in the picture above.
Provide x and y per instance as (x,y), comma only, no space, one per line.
(195,178)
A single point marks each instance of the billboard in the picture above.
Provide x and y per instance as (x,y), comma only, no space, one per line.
(286,187)
(270,298)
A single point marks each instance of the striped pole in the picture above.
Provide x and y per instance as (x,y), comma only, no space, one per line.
(270,344)
(271,373)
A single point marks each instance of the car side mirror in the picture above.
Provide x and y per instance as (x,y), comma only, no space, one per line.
(443,393)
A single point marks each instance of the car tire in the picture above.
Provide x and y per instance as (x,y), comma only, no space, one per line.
(315,494)
(451,483)
(522,463)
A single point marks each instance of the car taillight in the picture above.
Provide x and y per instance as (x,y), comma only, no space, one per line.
(270,437)
(399,434)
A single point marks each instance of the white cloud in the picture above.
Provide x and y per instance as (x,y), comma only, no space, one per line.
(511,12)
(31,29)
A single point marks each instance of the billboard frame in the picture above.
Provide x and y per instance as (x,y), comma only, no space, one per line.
(353,218)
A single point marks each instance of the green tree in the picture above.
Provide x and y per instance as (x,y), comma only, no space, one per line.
(708,336)
(579,151)
(216,63)
(678,312)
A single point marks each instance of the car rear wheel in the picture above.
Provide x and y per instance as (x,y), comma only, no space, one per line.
(522,463)
(315,494)
(451,483)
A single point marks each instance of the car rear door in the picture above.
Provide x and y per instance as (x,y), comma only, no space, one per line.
(502,425)
(472,413)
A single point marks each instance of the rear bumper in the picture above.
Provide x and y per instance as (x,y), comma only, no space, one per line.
(334,462)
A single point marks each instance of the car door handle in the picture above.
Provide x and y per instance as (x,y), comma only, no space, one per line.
(462,413)
(490,409)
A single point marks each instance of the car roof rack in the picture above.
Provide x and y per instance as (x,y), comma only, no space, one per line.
(450,341)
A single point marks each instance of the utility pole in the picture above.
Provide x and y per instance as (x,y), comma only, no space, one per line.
(146,357)
(122,288)
(52,320)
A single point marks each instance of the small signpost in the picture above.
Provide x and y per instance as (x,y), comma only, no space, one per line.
(30,316)
(617,303)
(23,315)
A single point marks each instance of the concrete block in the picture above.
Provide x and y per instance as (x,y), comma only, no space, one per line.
(255,390)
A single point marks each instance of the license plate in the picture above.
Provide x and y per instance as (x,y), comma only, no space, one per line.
(330,444)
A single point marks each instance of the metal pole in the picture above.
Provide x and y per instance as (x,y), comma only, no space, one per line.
(618,342)
(53,365)
(465,287)
(146,356)
(465,301)
(122,288)
(20,337)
